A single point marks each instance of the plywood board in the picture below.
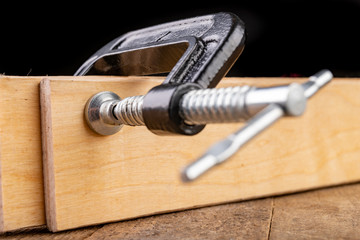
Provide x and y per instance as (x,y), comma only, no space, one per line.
(94,179)
(21,202)
(21,179)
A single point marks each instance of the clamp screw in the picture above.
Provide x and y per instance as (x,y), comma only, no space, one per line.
(221,105)
(106,113)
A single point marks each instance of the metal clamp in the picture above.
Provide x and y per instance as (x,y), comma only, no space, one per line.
(197,52)
(201,50)
(260,106)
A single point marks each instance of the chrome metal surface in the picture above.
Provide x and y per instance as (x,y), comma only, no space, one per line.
(221,105)
(237,104)
(291,97)
(226,148)
(316,82)
(106,113)
(96,113)
(129,111)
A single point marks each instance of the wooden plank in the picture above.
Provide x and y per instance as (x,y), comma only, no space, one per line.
(47,146)
(41,233)
(244,220)
(135,173)
(248,220)
(21,180)
(20,154)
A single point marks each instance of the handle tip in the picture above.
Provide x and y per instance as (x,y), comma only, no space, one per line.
(317,81)
(198,168)
(322,77)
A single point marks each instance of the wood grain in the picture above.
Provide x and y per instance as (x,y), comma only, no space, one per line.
(47,146)
(20,154)
(21,179)
(332,213)
(135,173)
(245,220)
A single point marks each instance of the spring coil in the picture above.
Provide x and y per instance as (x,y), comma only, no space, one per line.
(128,111)
(214,105)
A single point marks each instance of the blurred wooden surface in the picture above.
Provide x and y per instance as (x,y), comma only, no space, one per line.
(329,213)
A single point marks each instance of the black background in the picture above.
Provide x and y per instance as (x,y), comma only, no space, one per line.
(285,38)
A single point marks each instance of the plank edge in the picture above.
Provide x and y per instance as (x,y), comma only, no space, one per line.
(47,152)
(2,227)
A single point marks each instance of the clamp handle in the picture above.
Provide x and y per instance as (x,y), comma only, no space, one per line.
(226,148)
(197,53)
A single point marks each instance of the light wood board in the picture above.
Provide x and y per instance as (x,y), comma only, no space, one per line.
(94,179)
(21,179)
(21,182)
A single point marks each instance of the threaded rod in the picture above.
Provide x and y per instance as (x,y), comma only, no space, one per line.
(128,111)
(222,105)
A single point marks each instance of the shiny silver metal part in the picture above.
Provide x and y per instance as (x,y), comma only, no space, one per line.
(129,111)
(226,148)
(222,105)
(96,113)
(316,82)
(106,113)
(236,104)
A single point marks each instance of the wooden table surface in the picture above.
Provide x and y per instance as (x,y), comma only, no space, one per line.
(328,213)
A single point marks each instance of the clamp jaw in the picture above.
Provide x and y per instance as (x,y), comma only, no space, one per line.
(197,53)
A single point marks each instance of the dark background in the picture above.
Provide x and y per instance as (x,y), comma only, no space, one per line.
(285,38)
